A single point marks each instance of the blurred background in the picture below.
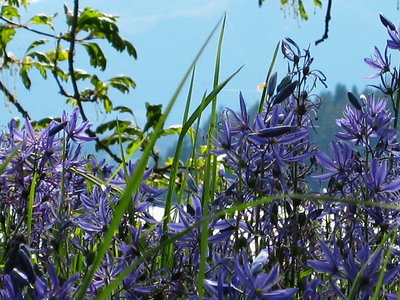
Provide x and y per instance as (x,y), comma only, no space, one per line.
(168,34)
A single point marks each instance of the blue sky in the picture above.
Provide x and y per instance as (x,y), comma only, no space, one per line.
(168,34)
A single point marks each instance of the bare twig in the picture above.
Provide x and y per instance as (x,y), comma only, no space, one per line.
(17,25)
(14,101)
(54,72)
(103,146)
(327,19)
(71,53)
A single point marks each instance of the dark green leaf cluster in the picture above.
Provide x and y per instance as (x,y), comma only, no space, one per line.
(53,57)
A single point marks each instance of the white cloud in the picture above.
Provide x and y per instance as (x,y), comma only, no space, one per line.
(153,14)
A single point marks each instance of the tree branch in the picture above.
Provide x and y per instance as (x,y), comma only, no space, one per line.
(14,101)
(327,19)
(17,25)
(71,53)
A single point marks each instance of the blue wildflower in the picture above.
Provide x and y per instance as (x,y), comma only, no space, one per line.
(258,286)
(380,63)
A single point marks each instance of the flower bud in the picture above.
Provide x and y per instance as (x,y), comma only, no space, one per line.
(354,100)
(386,22)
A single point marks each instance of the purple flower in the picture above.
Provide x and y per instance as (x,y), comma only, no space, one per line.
(382,64)
(311,291)
(386,22)
(340,166)
(74,131)
(332,262)
(373,121)
(57,289)
(353,264)
(394,41)
(288,51)
(134,289)
(258,286)
(376,178)
(187,218)
(97,212)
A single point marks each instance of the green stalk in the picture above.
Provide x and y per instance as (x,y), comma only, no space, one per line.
(174,168)
(383,270)
(31,201)
(271,66)
(131,209)
(210,172)
(103,294)
(357,281)
(134,183)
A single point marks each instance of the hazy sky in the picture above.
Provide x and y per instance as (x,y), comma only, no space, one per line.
(168,34)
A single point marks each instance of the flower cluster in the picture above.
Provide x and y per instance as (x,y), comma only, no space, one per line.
(284,219)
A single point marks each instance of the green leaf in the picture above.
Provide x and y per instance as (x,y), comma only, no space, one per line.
(283,2)
(40,56)
(107,103)
(318,3)
(31,201)
(113,125)
(133,147)
(43,123)
(153,115)
(122,83)
(104,26)
(42,19)
(10,12)
(130,49)
(106,126)
(303,13)
(176,129)
(123,109)
(60,55)
(96,55)
(17,3)
(6,35)
(97,83)
(36,44)
(81,74)
(25,78)
(305,273)
(131,188)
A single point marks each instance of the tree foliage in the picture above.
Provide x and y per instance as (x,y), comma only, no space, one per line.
(296,6)
(52,52)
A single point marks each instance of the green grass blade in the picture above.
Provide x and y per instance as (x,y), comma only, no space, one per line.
(384,266)
(206,219)
(174,167)
(360,274)
(115,190)
(135,181)
(210,172)
(31,201)
(8,159)
(169,241)
(166,258)
(271,66)
(189,97)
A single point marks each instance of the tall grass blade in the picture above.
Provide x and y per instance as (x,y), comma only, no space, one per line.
(357,282)
(5,163)
(271,66)
(210,172)
(206,219)
(384,266)
(31,201)
(174,167)
(168,253)
(135,181)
